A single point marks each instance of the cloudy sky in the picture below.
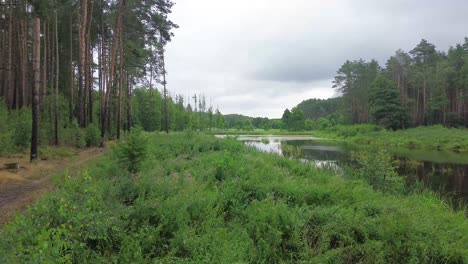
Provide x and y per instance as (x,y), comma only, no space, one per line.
(258,57)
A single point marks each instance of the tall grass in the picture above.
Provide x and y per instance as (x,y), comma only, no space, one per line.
(198,199)
(432,137)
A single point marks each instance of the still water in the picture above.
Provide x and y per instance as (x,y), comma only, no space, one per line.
(443,172)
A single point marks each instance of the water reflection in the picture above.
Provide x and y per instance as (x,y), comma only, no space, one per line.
(443,172)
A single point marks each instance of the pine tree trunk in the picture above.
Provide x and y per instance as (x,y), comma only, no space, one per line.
(70,102)
(90,80)
(35,90)
(100,76)
(23,59)
(56,119)
(2,54)
(89,64)
(166,112)
(44,68)
(9,79)
(111,74)
(119,114)
(129,104)
(82,62)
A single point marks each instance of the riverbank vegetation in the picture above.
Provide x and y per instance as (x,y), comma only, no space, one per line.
(430,138)
(433,137)
(195,198)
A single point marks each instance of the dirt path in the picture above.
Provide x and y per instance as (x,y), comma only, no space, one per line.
(20,189)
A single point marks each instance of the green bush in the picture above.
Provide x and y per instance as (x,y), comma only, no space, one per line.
(15,129)
(75,136)
(378,168)
(93,136)
(132,151)
(22,128)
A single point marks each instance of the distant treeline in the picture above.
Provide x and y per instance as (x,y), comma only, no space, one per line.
(422,87)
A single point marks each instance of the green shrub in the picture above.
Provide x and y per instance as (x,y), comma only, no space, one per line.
(378,168)
(132,152)
(22,128)
(77,136)
(6,144)
(93,136)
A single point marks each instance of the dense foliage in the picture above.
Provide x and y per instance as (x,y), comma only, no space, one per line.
(385,108)
(15,131)
(318,108)
(431,85)
(432,137)
(198,199)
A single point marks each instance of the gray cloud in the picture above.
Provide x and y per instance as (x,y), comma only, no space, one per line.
(258,57)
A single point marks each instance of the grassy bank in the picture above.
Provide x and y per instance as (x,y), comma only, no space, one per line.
(198,199)
(432,137)
(260,132)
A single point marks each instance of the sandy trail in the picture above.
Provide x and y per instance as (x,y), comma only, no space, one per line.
(20,189)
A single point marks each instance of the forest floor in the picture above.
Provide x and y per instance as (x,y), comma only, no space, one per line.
(19,189)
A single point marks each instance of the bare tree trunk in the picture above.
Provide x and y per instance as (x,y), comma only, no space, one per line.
(119,114)
(102,68)
(2,54)
(86,83)
(35,90)
(56,119)
(166,112)
(89,64)
(71,70)
(23,58)
(90,80)
(9,79)
(100,77)
(129,104)
(44,67)
(82,61)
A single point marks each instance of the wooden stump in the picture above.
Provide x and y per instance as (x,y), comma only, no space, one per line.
(12,167)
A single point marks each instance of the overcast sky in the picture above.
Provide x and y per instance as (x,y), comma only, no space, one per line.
(258,57)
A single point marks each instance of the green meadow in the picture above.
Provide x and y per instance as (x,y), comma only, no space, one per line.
(191,198)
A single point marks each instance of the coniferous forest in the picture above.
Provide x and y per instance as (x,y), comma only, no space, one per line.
(88,67)
(421,87)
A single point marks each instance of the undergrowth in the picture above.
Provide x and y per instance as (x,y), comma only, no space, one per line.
(198,199)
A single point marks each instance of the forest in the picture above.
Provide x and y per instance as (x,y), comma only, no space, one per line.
(83,71)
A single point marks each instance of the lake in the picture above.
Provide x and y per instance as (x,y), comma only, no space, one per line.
(443,172)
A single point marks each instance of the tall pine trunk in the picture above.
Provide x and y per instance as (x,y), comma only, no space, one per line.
(44,67)
(111,74)
(166,110)
(82,62)
(129,104)
(9,79)
(119,114)
(70,102)
(35,90)
(56,119)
